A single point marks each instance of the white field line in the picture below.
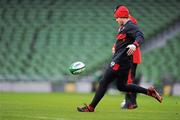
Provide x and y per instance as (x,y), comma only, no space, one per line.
(39,117)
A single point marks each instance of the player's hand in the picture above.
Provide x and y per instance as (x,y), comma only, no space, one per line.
(131,49)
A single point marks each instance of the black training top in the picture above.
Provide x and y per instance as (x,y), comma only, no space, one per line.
(127,34)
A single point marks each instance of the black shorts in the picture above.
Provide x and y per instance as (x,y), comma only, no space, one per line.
(118,71)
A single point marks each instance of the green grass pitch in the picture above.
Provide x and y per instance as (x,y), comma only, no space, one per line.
(62,106)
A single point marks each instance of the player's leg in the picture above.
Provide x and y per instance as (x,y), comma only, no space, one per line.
(103,85)
(134,81)
(133,75)
(130,98)
(127,102)
(122,86)
(151,91)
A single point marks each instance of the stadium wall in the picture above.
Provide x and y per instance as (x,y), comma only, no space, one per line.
(25,86)
(31,86)
(78,86)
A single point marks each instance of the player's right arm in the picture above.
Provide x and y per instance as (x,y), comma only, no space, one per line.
(138,37)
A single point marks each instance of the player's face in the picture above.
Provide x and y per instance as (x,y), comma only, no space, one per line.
(119,21)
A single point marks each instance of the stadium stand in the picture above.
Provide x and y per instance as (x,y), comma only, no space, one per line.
(40,39)
(162,61)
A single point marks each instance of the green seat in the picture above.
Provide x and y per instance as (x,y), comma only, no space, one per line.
(40,39)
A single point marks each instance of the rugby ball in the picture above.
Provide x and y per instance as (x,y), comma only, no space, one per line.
(77,67)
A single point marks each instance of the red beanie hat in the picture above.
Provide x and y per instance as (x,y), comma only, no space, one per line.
(121,12)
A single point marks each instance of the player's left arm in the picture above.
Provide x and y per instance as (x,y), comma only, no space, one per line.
(138,37)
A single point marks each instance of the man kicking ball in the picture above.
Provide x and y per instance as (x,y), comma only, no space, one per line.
(129,38)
